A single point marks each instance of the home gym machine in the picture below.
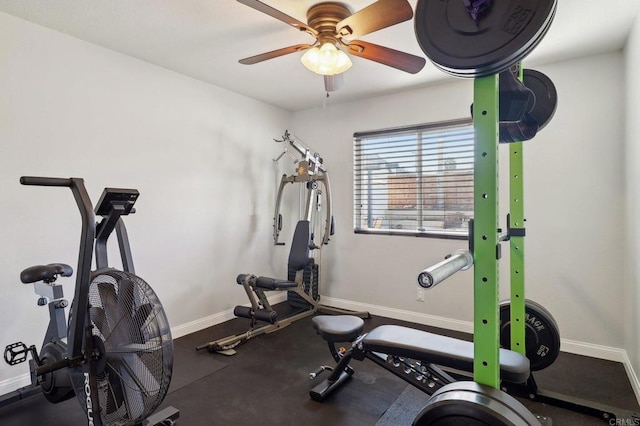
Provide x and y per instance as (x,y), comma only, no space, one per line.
(118,354)
(487,41)
(313,178)
(303,270)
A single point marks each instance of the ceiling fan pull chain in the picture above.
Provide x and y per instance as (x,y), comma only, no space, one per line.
(476,7)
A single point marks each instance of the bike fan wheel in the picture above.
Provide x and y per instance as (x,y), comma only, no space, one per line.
(132,350)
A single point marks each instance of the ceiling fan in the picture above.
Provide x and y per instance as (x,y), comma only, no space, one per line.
(336,27)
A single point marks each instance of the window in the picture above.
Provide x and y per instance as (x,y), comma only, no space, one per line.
(415,180)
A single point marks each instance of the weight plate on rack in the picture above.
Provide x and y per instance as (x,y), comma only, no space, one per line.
(546,96)
(542,337)
(499,36)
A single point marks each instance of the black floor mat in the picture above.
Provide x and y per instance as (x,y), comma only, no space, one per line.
(190,366)
(267,383)
(405,408)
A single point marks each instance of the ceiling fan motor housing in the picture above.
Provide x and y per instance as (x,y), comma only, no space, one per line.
(323,17)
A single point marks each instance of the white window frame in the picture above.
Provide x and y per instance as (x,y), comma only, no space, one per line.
(395,194)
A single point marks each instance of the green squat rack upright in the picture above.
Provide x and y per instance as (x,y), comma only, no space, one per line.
(485,251)
(516,243)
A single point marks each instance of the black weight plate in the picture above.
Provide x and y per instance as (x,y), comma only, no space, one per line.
(542,337)
(472,404)
(503,35)
(546,96)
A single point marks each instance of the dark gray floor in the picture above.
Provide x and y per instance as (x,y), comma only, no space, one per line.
(267,383)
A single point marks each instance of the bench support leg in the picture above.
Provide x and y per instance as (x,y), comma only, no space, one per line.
(341,373)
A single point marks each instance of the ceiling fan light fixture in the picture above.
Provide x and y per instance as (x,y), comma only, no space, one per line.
(326,60)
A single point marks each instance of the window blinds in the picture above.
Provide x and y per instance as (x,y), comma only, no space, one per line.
(416,180)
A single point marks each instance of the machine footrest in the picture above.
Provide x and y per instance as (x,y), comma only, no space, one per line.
(326,388)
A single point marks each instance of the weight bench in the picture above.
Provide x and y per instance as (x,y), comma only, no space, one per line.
(413,355)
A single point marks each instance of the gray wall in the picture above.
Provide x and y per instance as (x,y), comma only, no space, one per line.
(199,155)
(632,192)
(574,204)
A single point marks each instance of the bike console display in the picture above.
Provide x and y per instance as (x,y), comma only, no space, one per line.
(124,198)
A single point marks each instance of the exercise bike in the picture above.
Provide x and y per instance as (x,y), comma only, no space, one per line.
(116,353)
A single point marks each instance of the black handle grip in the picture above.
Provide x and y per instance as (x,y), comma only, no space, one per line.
(45,181)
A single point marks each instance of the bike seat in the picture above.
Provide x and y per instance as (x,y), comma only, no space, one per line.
(47,273)
(338,328)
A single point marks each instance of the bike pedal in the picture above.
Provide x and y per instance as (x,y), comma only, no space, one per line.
(15,353)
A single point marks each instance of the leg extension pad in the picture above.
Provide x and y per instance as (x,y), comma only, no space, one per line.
(265,315)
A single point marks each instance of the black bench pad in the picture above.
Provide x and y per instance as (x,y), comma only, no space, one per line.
(338,328)
(274,283)
(441,350)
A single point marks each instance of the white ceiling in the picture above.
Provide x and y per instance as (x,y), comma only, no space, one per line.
(205,39)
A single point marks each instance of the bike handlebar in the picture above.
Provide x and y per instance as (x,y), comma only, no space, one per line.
(83,271)
(45,181)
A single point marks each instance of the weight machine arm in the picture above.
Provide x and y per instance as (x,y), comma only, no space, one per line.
(305,152)
(311,171)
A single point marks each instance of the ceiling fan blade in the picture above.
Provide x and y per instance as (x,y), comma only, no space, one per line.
(384,55)
(275,53)
(275,13)
(379,15)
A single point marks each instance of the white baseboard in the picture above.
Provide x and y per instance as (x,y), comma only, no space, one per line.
(220,317)
(399,314)
(569,346)
(13,383)
(633,377)
(595,351)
